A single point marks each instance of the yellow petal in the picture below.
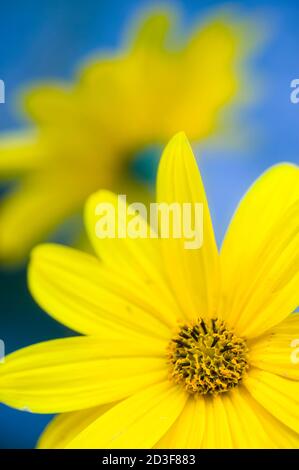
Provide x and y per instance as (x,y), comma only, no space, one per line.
(252,426)
(151,33)
(217,434)
(58,110)
(136,259)
(192,273)
(277,395)
(50,104)
(64,427)
(138,422)
(188,430)
(216,47)
(276,351)
(232,420)
(35,208)
(76,289)
(260,254)
(149,73)
(19,152)
(76,373)
(280,435)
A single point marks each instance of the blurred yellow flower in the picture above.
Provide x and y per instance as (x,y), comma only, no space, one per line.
(87,132)
(183,348)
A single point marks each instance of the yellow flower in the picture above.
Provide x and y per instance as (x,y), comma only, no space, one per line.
(182,348)
(86,133)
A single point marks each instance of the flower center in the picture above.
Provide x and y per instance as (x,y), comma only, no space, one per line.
(207,357)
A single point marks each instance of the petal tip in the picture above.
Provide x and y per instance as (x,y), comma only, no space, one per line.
(178,145)
(179,138)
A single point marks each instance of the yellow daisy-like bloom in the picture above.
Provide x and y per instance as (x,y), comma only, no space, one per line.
(182,348)
(87,133)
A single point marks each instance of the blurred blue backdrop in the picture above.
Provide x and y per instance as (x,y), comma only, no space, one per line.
(48,38)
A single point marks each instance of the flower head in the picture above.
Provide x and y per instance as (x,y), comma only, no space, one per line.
(85,134)
(181,348)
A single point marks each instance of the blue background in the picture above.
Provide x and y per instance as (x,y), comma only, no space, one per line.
(42,39)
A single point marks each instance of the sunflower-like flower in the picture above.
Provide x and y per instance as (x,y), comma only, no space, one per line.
(86,133)
(180,348)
